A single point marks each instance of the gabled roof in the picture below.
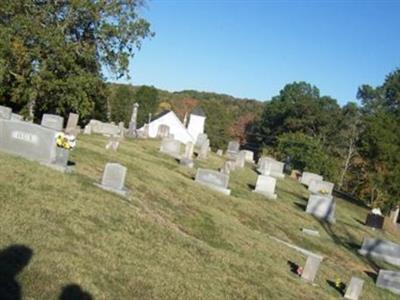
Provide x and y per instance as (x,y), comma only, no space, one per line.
(161,114)
(198,111)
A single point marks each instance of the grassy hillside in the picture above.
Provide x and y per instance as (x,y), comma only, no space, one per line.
(174,240)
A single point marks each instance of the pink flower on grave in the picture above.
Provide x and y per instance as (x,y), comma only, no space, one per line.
(299,270)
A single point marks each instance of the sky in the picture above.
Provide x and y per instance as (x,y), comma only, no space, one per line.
(252,49)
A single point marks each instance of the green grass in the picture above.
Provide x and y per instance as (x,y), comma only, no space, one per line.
(175,239)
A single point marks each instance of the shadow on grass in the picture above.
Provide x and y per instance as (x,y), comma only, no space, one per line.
(293,267)
(13,260)
(74,292)
(372,275)
(349,198)
(339,289)
(301,206)
(251,186)
(359,221)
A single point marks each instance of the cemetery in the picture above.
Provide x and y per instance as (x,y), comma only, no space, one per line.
(215,168)
(139,188)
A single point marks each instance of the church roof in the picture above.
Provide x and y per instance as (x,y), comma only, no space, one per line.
(161,114)
(198,111)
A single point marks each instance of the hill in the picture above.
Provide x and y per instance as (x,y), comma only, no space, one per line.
(174,240)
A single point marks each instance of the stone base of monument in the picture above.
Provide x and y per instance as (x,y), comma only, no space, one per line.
(216,188)
(266,194)
(124,192)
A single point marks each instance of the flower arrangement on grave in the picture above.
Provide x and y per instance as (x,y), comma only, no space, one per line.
(323,192)
(65,141)
(339,284)
(299,271)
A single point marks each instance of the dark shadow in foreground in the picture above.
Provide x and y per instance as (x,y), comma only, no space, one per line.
(13,260)
(74,292)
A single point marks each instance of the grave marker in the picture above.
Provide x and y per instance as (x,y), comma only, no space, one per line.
(72,124)
(319,187)
(322,207)
(389,280)
(187,159)
(54,122)
(113,179)
(213,179)
(171,147)
(311,268)
(266,186)
(306,178)
(354,289)
(381,249)
(5,112)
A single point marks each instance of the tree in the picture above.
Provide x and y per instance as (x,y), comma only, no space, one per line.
(121,103)
(306,154)
(52,52)
(147,98)
(380,141)
(297,108)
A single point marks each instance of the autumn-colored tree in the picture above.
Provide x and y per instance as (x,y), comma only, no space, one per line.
(239,130)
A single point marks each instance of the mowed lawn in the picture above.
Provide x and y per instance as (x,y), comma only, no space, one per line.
(173,240)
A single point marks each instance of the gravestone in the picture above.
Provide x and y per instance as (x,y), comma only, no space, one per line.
(5,112)
(228,166)
(171,147)
(104,128)
(87,129)
(203,153)
(233,148)
(354,289)
(306,178)
(201,139)
(389,280)
(54,122)
(163,131)
(113,179)
(132,130)
(276,169)
(310,232)
(375,221)
(187,159)
(33,142)
(113,143)
(72,124)
(381,249)
(264,167)
(319,187)
(322,207)
(220,152)
(266,186)
(16,117)
(311,268)
(122,131)
(240,159)
(213,179)
(249,156)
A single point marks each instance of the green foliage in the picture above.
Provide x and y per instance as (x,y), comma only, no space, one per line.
(306,154)
(147,98)
(297,108)
(380,143)
(51,53)
(121,103)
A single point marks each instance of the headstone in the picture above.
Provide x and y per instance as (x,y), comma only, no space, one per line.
(87,129)
(240,159)
(381,249)
(187,159)
(163,131)
(16,117)
(203,153)
(201,139)
(72,124)
(31,141)
(114,179)
(320,187)
(249,156)
(213,179)
(54,122)
(121,126)
(389,280)
(394,215)
(233,148)
(306,178)
(271,167)
(113,143)
(228,167)
(375,221)
(310,232)
(354,289)
(322,207)
(171,147)
(132,131)
(266,186)
(5,112)
(311,268)
(104,128)
(220,152)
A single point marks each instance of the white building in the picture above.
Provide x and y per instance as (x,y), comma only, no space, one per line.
(176,127)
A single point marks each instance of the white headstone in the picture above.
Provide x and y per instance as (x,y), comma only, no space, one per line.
(213,179)
(389,280)
(381,249)
(171,147)
(5,112)
(319,187)
(72,124)
(266,186)
(54,122)
(114,179)
(354,289)
(306,178)
(322,207)
(311,268)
